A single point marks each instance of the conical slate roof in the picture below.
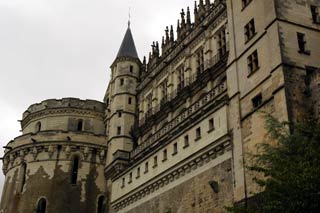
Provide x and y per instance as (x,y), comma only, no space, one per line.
(128,47)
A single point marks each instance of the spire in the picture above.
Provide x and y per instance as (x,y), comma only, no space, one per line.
(128,47)
(188,16)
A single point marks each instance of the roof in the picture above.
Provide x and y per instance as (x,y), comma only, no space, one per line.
(128,47)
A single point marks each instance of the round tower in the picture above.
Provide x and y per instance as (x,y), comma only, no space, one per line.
(121,102)
(57,164)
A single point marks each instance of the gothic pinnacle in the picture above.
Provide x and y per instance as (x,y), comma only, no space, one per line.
(167,34)
(188,17)
(171,34)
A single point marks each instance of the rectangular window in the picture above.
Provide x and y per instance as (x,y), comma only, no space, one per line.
(211,124)
(199,61)
(222,49)
(130,178)
(253,62)
(138,172)
(186,141)
(146,167)
(257,101)
(315,14)
(249,30)
(155,161)
(119,114)
(131,69)
(121,81)
(175,149)
(123,182)
(119,130)
(165,155)
(245,3)
(198,133)
(302,43)
(164,92)
(180,74)
(130,101)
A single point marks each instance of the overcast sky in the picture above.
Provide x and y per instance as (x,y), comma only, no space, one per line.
(63,48)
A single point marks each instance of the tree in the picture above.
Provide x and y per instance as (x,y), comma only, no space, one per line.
(291,169)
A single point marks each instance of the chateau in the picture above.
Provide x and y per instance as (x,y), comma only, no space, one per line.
(173,132)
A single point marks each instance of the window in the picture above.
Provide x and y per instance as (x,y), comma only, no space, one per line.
(257,101)
(165,155)
(149,105)
(131,69)
(80,125)
(302,43)
(121,81)
(180,75)
(198,133)
(175,149)
(222,48)
(164,93)
(38,127)
(119,130)
(245,3)
(199,61)
(249,30)
(101,204)
(130,100)
(146,167)
(138,172)
(211,124)
(155,161)
(75,168)
(315,14)
(23,170)
(130,177)
(123,182)
(186,141)
(119,114)
(42,205)
(253,62)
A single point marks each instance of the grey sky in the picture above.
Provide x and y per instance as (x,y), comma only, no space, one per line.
(63,48)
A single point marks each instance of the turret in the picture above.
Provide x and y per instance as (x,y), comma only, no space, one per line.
(121,112)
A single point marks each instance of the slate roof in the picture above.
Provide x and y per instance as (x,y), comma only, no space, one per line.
(128,47)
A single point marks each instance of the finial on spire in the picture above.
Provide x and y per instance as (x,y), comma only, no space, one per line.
(129,18)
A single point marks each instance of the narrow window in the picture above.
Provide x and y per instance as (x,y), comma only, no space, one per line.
(121,81)
(23,175)
(130,100)
(38,127)
(257,101)
(302,43)
(198,133)
(146,167)
(315,14)
(123,182)
(138,172)
(199,61)
(75,168)
(253,62)
(175,149)
(165,155)
(222,48)
(130,177)
(186,141)
(119,130)
(180,74)
(101,204)
(42,206)
(249,30)
(155,161)
(131,69)
(80,125)
(211,124)
(119,114)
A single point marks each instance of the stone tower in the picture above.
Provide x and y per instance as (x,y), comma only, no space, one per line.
(121,104)
(57,164)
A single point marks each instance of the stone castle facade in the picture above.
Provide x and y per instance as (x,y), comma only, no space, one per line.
(172,133)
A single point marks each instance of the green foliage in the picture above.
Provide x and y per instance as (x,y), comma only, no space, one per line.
(291,168)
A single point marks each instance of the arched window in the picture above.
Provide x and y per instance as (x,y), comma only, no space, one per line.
(38,127)
(75,168)
(101,204)
(42,206)
(23,175)
(80,125)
